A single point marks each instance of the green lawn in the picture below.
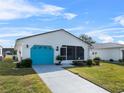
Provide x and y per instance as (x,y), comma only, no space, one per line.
(109,76)
(23,80)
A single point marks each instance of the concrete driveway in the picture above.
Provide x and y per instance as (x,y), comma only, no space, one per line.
(60,80)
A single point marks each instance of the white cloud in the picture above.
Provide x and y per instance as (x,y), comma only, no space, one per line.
(16,34)
(8,33)
(118,36)
(51,9)
(119,20)
(107,34)
(16,9)
(121,42)
(69,16)
(5,43)
(75,28)
(19,29)
(103,37)
(13,9)
(104,34)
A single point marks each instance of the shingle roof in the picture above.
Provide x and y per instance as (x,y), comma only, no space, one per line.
(48,33)
(39,34)
(107,45)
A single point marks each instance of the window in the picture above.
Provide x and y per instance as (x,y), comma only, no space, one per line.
(79,53)
(63,53)
(72,52)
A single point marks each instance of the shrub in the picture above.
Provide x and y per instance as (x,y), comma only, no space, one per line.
(18,65)
(120,60)
(97,60)
(111,60)
(1,58)
(15,58)
(79,63)
(26,63)
(59,58)
(8,59)
(89,62)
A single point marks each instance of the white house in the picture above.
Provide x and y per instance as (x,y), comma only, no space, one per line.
(1,52)
(43,48)
(107,51)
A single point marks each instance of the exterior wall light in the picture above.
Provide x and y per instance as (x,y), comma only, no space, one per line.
(57,48)
(27,45)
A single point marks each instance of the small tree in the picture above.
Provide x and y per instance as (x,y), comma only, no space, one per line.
(15,52)
(97,60)
(87,39)
(59,58)
(89,62)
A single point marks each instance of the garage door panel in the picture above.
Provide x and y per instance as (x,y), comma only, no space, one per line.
(42,55)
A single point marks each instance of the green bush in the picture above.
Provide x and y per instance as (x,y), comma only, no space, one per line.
(18,65)
(78,63)
(59,58)
(8,59)
(26,63)
(111,60)
(89,62)
(121,60)
(97,60)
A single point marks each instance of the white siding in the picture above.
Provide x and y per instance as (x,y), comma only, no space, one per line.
(121,54)
(53,39)
(19,50)
(106,54)
(0,51)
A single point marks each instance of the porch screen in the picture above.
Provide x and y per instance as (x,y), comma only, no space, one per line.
(72,52)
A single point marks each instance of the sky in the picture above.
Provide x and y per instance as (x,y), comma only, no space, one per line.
(103,20)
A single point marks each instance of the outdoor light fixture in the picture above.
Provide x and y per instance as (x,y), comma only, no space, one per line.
(27,45)
(57,48)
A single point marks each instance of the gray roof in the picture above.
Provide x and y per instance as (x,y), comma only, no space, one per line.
(51,32)
(107,45)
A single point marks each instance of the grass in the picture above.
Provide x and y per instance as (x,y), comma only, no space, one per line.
(23,80)
(107,75)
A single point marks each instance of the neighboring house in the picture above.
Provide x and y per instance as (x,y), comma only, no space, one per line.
(107,51)
(43,48)
(1,53)
(7,51)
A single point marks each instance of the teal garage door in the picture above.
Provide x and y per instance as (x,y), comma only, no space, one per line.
(42,55)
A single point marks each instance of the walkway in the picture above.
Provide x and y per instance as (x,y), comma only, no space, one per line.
(60,80)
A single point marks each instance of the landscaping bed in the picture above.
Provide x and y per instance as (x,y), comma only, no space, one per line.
(107,75)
